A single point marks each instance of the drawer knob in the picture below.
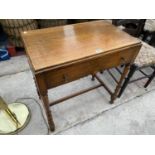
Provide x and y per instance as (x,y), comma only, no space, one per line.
(122,61)
(65,78)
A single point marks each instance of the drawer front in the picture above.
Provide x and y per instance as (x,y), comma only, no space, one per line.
(75,71)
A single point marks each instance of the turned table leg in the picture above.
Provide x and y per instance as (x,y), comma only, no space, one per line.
(48,112)
(114,95)
(93,76)
(42,89)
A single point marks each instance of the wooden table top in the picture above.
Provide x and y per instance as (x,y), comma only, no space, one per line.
(59,45)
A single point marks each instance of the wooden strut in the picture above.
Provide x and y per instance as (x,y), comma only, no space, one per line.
(103,84)
(112,75)
(82,91)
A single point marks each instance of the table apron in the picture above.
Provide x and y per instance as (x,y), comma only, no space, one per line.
(78,70)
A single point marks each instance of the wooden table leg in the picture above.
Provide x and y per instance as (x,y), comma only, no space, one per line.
(42,89)
(48,112)
(93,76)
(114,95)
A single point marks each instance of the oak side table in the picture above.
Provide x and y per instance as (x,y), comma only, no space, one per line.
(62,54)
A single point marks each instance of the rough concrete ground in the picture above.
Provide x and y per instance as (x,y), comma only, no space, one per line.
(134,117)
(89,113)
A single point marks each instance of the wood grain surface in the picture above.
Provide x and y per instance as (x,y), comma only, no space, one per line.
(51,47)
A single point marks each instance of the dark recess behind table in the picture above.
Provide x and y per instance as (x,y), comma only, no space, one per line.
(3,36)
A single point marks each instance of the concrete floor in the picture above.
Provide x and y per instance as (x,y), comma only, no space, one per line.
(133,113)
(134,117)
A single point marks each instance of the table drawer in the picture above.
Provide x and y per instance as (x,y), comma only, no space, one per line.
(75,71)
